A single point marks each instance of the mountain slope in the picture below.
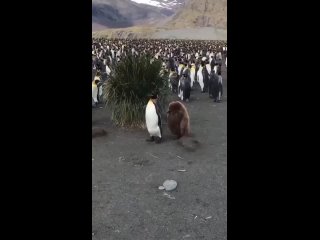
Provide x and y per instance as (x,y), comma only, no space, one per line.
(201,13)
(125,13)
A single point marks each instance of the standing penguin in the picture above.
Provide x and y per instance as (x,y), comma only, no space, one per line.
(185,85)
(208,67)
(100,90)
(205,75)
(213,84)
(220,86)
(214,80)
(173,79)
(95,91)
(153,120)
(94,73)
(180,69)
(192,74)
(108,70)
(200,78)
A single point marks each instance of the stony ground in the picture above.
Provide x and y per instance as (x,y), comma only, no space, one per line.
(204,33)
(127,171)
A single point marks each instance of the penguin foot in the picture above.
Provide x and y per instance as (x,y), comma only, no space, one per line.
(151,139)
(158,140)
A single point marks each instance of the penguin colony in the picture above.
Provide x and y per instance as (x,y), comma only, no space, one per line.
(188,62)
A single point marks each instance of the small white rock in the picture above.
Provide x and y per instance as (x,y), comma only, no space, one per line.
(161,187)
(170,185)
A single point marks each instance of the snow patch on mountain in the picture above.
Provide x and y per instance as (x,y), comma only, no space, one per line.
(159,3)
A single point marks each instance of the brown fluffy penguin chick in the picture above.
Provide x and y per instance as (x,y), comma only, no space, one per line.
(178,119)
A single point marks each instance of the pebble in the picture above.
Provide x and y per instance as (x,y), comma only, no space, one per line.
(161,187)
(168,195)
(170,185)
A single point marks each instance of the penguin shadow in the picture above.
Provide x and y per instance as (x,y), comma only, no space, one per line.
(189,143)
(168,138)
(98,132)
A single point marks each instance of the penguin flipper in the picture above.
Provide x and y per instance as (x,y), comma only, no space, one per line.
(158,110)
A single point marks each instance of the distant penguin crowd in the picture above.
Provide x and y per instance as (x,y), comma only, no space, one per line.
(187,62)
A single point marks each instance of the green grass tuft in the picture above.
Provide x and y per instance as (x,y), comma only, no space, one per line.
(126,92)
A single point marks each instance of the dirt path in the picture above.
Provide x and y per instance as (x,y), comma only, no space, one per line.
(127,170)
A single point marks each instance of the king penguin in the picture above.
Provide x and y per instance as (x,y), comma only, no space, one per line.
(153,120)
(200,78)
(95,91)
(192,74)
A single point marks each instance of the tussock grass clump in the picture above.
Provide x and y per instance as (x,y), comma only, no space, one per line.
(126,92)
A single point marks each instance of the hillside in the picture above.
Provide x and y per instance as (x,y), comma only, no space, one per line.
(201,13)
(125,13)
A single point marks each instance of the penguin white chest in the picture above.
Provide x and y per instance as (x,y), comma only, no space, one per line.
(208,68)
(200,78)
(95,93)
(152,120)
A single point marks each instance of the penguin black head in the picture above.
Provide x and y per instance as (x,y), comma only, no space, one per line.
(153,96)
